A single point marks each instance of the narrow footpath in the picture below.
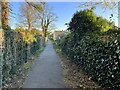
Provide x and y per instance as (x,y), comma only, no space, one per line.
(47,71)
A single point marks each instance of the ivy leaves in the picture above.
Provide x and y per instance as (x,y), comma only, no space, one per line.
(93,45)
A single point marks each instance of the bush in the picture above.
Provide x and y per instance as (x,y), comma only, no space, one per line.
(86,21)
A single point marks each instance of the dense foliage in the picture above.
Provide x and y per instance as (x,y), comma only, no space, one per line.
(18,46)
(94,45)
(85,21)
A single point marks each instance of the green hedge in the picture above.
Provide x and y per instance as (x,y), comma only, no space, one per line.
(35,45)
(98,58)
(94,47)
(16,53)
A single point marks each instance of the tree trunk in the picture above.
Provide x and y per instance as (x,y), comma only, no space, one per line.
(46,38)
(29,26)
(4,13)
(0,18)
(45,32)
(29,23)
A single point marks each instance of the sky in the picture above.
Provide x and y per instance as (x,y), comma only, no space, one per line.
(64,11)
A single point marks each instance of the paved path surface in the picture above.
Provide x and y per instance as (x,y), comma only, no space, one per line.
(46,72)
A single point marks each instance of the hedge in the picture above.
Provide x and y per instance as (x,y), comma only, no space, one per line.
(16,51)
(94,49)
(98,58)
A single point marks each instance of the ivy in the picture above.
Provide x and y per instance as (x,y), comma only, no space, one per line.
(94,45)
(16,51)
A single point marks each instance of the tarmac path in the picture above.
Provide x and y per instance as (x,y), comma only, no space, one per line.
(47,71)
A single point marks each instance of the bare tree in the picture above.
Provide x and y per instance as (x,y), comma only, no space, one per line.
(105,4)
(37,6)
(5,10)
(47,18)
(29,15)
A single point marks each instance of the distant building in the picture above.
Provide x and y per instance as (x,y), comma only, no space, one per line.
(58,34)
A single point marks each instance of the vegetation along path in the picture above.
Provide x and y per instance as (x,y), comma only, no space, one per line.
(46,72)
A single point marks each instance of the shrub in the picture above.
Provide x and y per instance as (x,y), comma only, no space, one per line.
(86,21)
